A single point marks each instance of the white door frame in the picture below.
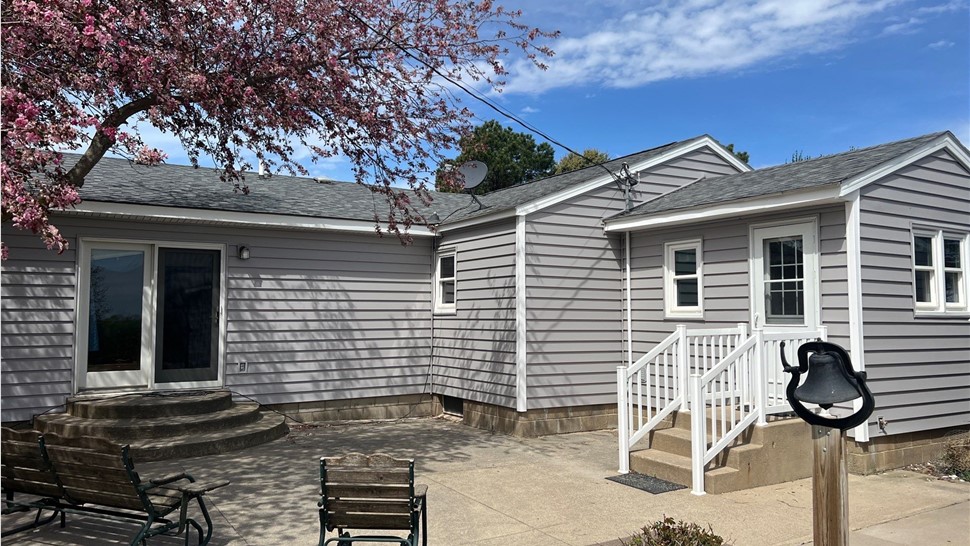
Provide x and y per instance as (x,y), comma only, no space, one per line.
(807,229)
(143,378)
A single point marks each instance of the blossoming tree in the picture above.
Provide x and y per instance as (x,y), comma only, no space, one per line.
(366,79)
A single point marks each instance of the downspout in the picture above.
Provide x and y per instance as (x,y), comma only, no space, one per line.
(435,243)
(521,384)
(853,234)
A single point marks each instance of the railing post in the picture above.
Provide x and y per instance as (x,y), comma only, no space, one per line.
(823,332)
(622,420)
(760,377)
(698,435)
(682,378)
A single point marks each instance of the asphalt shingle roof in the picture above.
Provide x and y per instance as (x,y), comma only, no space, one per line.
(120,181)
(513,196)
(800,175)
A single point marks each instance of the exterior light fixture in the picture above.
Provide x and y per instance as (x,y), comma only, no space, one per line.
(243,252)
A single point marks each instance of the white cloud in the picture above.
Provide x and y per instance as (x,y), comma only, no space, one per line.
(909,26)
(941,44)
(529,110)
(694,38)
(954,5)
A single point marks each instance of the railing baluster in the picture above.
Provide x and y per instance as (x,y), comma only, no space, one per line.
(639,399)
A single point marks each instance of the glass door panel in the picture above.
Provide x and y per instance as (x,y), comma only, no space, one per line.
(113,336)
(186,340)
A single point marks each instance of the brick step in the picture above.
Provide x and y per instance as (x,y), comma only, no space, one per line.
(149,405)
(268,427)
(127,430)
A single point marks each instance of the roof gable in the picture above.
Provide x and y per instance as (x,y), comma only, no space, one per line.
(540,194)
(848,171)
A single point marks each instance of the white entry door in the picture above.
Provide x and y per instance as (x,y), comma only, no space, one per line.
(784,276)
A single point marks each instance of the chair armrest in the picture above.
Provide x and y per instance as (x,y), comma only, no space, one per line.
(200,488)
(421,491)
(170,478)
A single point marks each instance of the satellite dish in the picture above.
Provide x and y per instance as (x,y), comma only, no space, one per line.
(473,172)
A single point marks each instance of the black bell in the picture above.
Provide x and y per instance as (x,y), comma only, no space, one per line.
(827,382)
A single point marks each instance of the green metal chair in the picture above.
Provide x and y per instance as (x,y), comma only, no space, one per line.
(371,493)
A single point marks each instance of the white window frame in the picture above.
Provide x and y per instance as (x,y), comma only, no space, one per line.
(671,309)
(807,229)
(440,307)
(938,304)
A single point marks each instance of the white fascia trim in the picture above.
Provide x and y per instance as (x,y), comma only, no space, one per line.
(254,219)
(521,385)
(853,233)
(944,142)
(580,189)
(502,215)
(818,195)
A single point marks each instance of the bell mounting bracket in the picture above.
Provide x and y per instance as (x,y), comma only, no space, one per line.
(856,379)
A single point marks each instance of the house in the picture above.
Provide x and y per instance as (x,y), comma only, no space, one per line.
(517,308)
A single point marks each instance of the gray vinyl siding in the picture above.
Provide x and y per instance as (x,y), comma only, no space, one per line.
(574,278)
(37,326)
(316,316)
(726,275)
(474,348)
(918,367)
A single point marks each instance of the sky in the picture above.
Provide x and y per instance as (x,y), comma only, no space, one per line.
(773,77)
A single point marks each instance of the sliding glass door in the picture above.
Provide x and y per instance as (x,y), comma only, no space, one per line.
(149,316)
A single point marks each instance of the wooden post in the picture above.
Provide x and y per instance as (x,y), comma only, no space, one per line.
(830,487)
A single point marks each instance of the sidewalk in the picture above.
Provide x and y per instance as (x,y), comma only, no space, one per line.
(489,489)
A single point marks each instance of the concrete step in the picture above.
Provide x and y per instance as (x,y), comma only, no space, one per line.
(676,469)
(149,405)
(268,427)
(678,440)
(128,430)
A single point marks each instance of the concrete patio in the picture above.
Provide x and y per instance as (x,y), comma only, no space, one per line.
(487,489)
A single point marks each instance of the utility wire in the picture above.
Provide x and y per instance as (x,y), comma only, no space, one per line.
(478,96)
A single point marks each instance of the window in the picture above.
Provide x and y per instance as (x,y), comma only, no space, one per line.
(683,286)
(940,271)
(784,279)
(445,290)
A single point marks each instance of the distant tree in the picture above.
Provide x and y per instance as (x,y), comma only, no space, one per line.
(512,157)
(743,156)
(574,162)
(798,155)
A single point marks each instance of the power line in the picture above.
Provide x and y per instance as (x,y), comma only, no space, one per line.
(477,96)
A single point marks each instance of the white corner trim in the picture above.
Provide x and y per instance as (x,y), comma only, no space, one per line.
(853,233)
(815,196)
(521,385)
(254,219)
(550,200)
(629,304)
(944,142)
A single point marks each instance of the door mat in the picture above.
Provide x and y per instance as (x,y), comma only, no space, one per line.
(646,483)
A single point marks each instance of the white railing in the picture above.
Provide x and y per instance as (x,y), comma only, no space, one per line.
(655,386)
(721,376)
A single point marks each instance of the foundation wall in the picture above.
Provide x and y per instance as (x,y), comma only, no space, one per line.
(898,450)
(539,422)
(362,409)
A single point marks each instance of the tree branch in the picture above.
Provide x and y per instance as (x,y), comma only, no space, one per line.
(101,143)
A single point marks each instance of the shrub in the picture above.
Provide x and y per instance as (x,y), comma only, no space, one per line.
(955,459)
(669,532)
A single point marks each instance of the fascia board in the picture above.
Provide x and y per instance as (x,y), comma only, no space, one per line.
(253,219)
(559,197)
(944,142)
(461,224)
(819,195)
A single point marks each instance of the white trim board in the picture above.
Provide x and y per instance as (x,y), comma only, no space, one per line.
(853,232)
(521,326)
(945,142)
(819,195)
(225,217)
